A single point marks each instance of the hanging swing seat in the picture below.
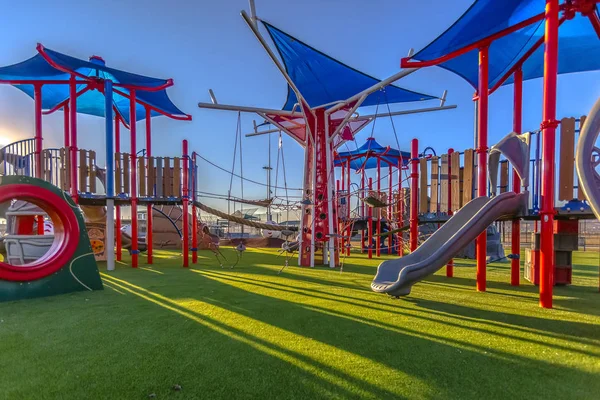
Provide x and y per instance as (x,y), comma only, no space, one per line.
(258,203)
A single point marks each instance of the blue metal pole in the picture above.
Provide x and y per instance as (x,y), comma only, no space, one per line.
(110,176)
(110,184)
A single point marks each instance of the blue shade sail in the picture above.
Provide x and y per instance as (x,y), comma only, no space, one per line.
(91,102)
(366,156)
(579,45)
(324,80)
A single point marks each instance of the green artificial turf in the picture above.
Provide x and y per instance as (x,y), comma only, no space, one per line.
(248,332)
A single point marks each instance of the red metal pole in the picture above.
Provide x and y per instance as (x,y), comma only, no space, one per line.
(595,22)
(400,216)
(134,200)
(194,234)
(548,147)
(342,183)
(194,211)
(390,217)
(118,208)
(450,265)
(67,140)
(73,143)
(362,207)
(339,221)
(343,175)
(515,262)
(414,194)
(379,210)
(149,219)
(185,199)
(482,121)
(37,96)
(349,229)
(370,224)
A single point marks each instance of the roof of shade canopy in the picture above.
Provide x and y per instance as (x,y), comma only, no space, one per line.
(366,156)
(52,65)
(577,41)
(323,80)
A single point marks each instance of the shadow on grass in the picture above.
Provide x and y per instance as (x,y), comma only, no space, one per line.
(423,355)
(304,368)
(575,299)
(394,308)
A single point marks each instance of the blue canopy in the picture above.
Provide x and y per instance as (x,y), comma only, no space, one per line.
(577,41)
(366,156)
(41,68)
(323,80)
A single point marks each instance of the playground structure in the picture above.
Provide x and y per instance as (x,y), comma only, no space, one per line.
(442,189)
(495,38)
(321,117)
(128,179)
(385,208)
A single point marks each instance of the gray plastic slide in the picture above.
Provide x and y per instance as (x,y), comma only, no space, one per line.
(396,277)
(588,159)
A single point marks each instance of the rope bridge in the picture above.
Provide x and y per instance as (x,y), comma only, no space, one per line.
(243,221)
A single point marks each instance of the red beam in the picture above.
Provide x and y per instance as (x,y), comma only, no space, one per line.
(168,83)
(595,22)
(42,50)
(524,58)
(407,63)
(151,107)
(40,82)
(65,102)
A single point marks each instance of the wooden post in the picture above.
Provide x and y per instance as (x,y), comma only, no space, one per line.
(435,182)
(177,188)
(92,170)
(82,171)
(423,186)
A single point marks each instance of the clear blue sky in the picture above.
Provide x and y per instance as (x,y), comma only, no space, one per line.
(205,44)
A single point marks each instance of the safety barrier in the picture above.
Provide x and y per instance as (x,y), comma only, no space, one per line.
(17,158)
(448,182)
(159,177)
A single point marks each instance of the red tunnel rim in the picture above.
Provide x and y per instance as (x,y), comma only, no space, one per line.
(65,242)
